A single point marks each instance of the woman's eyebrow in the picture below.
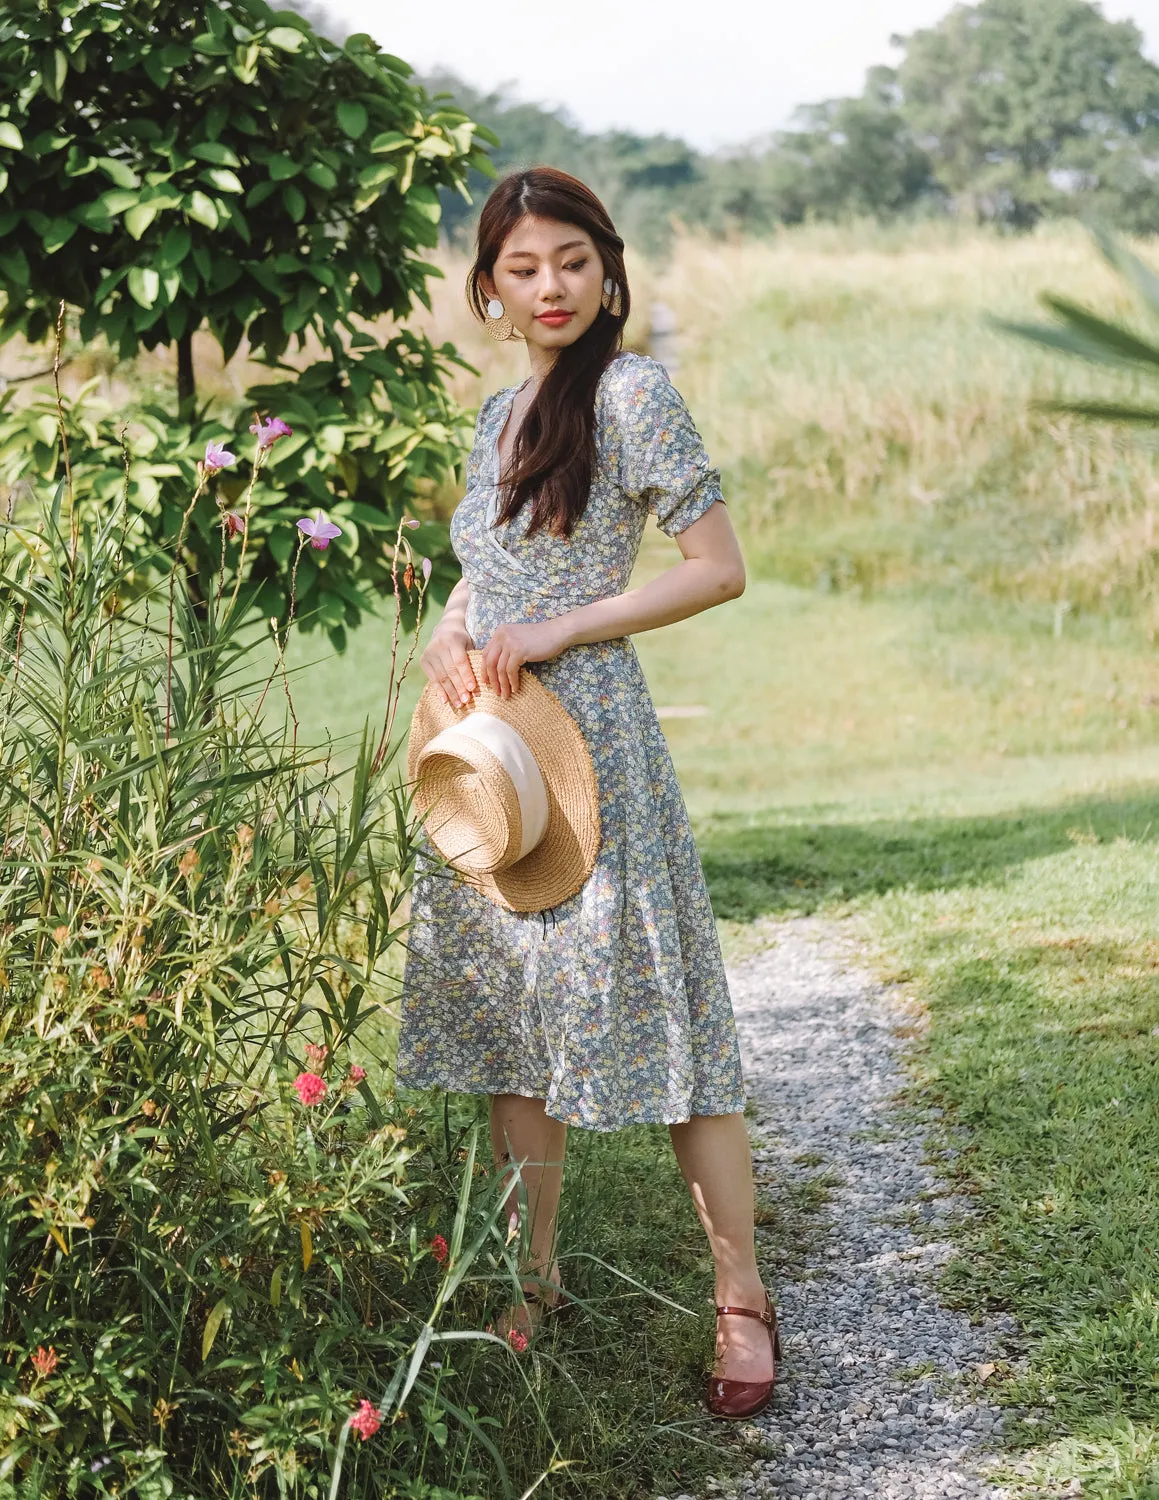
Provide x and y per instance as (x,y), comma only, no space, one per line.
(530,254)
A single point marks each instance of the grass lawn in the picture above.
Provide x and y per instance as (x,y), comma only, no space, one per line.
(981,796)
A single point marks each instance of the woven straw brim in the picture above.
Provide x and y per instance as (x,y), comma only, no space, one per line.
(563,859)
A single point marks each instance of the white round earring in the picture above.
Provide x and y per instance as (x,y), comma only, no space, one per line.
(609,286)
(497,323)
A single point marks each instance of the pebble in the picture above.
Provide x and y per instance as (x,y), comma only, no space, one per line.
(854,1415)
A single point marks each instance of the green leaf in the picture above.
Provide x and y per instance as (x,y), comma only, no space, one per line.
(224,180)
(210,45)
(94,216)
(295,201)
(58,234)
(202,208)
(285,38)
(376,174)
(3,178)
(10,136)
(119,172)
(16,267)
(1104,411)
(390,140)
(144,285)
(138,219)
(174,247)
(352,117)
(116,200)
(321,175)
(281,167)
(216,1318)
(276,1287)
(216,152)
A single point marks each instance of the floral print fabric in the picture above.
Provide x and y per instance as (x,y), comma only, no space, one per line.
(613,1007)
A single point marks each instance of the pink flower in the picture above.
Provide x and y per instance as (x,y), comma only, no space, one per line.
(517,1340)
(234,522)
(356,1074)
(311,1089)
(410,522)
(316,1052)
(268,433)
(44,1361)
(320,531)
(366,1420)
(439,1248)
(426,569)
(217,457)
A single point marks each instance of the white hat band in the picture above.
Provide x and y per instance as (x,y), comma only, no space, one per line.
(513,753)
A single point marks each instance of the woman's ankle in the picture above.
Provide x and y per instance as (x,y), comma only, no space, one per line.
(740,1289)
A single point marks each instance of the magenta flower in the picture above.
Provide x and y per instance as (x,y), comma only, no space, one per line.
(268,433)
(357,1074)
(234,522)
(517,1340)
(320,531)
(317,1052)
(310,1088)
(439,1248)
(366,1420)
(217,457)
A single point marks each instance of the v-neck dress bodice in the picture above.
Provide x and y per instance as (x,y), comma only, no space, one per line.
(614,1006)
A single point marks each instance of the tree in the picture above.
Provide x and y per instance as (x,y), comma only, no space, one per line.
(643,180)
(218,164)
(852,157)
(1034,106)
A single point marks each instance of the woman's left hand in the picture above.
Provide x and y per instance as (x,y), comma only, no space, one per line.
(512,645)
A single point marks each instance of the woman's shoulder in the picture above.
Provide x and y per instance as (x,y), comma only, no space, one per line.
(632,380)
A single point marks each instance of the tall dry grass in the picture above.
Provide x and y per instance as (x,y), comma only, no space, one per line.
(875,429)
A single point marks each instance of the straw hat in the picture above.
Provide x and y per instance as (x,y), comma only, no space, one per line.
(508,791)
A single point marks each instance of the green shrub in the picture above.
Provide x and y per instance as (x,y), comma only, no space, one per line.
(221,166)
(218,1229)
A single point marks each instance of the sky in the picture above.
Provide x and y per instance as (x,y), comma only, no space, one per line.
(714,72)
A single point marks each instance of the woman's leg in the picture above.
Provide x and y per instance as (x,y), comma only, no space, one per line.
(521,1132)
(713,1152)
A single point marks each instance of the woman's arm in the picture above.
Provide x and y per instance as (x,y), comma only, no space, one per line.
(712,571)
(445,659)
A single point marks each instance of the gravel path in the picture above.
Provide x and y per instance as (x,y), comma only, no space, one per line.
(877,1394)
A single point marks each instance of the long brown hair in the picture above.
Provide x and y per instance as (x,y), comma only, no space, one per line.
(554,456)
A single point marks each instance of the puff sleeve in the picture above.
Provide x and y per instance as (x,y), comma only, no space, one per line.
(660,458)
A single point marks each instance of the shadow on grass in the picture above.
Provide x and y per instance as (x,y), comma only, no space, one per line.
(758,869)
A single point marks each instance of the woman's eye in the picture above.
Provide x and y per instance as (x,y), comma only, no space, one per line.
(577,265)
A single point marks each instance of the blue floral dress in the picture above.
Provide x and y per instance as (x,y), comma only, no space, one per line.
(613,1007)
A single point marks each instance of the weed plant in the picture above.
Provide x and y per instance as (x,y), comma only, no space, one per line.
(210,1248)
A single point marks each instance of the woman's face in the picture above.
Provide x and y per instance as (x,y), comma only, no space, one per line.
(550,280)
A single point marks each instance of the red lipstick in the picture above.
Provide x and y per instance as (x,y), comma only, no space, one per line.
(555,319)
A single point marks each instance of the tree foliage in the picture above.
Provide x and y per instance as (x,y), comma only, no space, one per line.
(1005,110)
(1025,106)
(220,165)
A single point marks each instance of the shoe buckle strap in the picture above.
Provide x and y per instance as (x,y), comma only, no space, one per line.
(747,1312)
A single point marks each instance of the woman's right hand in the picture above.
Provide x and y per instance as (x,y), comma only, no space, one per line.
(445,662)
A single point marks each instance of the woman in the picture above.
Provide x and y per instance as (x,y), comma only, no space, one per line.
(613,1009)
